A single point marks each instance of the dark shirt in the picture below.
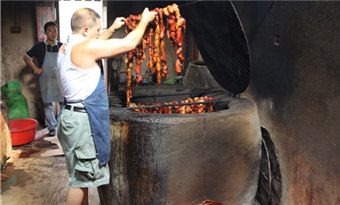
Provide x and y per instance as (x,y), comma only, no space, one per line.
(38,51)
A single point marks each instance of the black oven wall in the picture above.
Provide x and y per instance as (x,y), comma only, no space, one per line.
(295,80)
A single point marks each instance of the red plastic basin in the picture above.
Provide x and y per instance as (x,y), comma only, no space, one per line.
(23,131)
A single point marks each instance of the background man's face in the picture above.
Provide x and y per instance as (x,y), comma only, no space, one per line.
(51,33)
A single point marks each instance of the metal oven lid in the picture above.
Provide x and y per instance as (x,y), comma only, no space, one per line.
(221,41)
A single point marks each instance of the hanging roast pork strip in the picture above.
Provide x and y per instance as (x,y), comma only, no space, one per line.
(157,55)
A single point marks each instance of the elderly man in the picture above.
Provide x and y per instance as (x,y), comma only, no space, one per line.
(83,128)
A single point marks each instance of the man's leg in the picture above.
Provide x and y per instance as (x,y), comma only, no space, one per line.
(77,196)
(86,196)
(50,118)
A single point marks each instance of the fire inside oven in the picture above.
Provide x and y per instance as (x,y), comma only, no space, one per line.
(177,100)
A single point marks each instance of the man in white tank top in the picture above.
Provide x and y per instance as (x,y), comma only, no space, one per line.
(81,83)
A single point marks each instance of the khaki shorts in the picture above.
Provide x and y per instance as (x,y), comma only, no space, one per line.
(82,162)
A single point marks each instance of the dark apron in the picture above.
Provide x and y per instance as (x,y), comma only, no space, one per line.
(97,108)
(49,89)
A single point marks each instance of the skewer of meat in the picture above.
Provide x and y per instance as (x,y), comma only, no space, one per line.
(176,24)
(163,53)
(139,54)
(171,24)
(180,25)
(156,58)
(140,57)
(131,23)
(150,63)
(129,66)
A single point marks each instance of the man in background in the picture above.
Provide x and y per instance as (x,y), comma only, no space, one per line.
(45,53)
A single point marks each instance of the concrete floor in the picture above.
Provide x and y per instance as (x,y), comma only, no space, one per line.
(36,174)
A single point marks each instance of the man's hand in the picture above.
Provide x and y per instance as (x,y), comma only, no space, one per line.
(119,22)
(148,16)
(38,71)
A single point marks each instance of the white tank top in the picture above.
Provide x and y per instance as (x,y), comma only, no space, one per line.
(76,84)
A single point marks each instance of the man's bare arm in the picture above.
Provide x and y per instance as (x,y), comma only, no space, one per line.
(85,54)
(119,22)
(32,65)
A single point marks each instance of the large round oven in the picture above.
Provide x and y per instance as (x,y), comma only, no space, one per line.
(187,159)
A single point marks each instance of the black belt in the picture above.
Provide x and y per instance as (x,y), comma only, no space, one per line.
(75,109)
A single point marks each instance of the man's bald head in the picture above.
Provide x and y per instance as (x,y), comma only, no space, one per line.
(82,18)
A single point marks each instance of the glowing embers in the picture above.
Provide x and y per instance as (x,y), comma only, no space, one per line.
(198,105)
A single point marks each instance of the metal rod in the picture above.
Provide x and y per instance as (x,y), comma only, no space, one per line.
(171,105)
(165,95)
(190,3)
